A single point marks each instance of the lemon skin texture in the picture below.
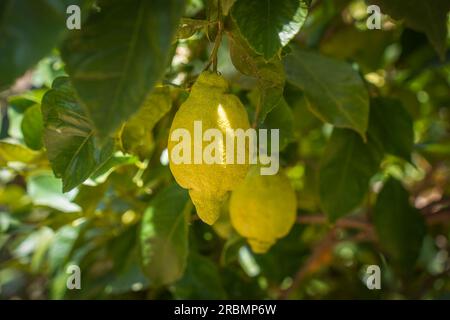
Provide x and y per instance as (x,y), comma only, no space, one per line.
(209,184)
(263,209)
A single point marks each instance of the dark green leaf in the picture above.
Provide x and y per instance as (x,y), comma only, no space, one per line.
(118,56)
(32,127)
(68,136)
(281,118)
(28,31)
(400,226)
(429,17)
(292,246)
(335,91)
(230,251)
(136,134)
(164,236)
(269,25)
(345,171)
(200,281)
(391,126)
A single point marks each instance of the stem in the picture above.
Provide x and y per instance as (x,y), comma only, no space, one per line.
(349,223)
(217,41)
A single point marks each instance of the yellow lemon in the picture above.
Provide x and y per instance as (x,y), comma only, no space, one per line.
(263,209)
(209,106)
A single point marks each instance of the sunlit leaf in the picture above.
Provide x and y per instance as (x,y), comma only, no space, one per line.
(13,152)
(32,127)
(45,190)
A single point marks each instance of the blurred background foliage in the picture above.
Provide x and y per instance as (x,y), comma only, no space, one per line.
(134,232)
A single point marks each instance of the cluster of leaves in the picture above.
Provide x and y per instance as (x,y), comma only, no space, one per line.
(364,122)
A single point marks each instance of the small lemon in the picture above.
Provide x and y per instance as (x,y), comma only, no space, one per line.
(209,183)
(263,209)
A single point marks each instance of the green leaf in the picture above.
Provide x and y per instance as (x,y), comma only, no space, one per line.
(13,152)
(230,251)
(28,31)
(269,74)
(281,118)
(345,171)
(335,92)
(429,17)
(33,127)
(45,190)
(400,227)
(136,134)
(118,55)
(391,126)
(200,281)
(164,236)
(73,152)
(114,162)
(269,25)
(63,244)
(226,6)
(293,246)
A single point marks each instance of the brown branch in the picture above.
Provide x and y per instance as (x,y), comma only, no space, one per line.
(325,246)
(440,217)
(431,217)
(346,223)
(320,252)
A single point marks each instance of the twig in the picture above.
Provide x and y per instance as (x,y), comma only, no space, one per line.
(320,250)
(349,223)
(439,217)
(217,41)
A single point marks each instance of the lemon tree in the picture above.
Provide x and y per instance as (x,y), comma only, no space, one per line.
(101,168)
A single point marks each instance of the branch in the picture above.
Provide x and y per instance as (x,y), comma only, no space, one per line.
(346,223)
(321,251)
(324,247)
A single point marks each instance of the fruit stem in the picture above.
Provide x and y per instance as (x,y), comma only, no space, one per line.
(217,41)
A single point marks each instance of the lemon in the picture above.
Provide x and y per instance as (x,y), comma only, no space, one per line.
(263,209)
(209,183)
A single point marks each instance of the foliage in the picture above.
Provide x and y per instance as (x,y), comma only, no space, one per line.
(364,135)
